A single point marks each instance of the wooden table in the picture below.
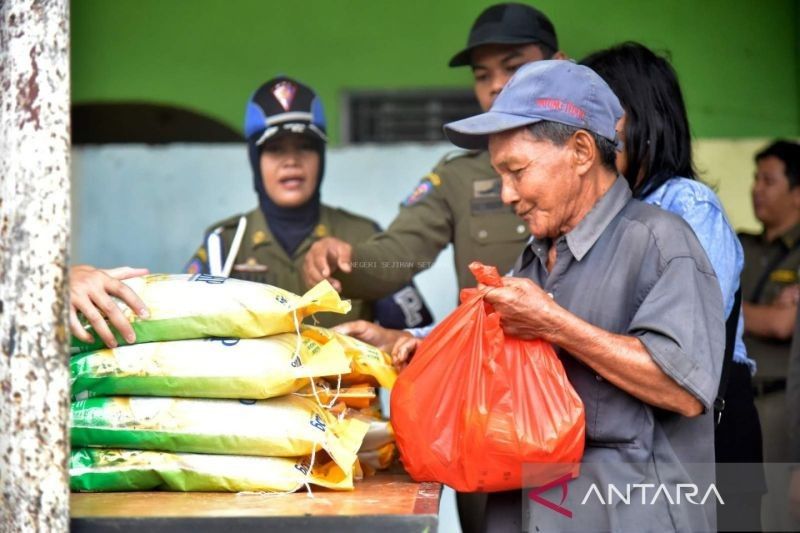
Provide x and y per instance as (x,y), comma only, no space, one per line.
(385,503)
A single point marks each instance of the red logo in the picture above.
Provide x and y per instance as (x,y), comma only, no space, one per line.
(559,105)
(535,495)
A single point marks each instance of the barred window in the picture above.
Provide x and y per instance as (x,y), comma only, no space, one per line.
(403,115)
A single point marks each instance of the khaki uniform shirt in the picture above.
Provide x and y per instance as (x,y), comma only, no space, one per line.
(261,258)
(781,258)
(459,203)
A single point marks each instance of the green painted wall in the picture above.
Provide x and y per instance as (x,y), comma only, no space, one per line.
(737,59)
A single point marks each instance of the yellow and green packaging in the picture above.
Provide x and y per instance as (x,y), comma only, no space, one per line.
(105,470)
(208,368)
(192,306)
(289,426)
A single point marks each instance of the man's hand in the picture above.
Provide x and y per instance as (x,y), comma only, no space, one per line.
(788,296)
(400,344)
(371,333)
(91,290)
(404,350)
(325,257)
(524,308)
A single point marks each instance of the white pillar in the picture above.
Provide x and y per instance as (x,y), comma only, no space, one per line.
(34,232)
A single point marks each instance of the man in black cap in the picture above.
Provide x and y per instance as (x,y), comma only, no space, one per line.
(459,201)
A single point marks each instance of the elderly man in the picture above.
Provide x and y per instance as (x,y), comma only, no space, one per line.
(622,289)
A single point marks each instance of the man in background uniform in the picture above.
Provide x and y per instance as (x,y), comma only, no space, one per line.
(770,295)
(286,138)
(770,285)
(459,201)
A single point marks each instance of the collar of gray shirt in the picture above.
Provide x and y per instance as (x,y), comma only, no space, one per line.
(581,239)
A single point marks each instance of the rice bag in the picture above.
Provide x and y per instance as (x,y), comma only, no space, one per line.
(208,368)
(103,470)
(289,426)
(381,458)
(191,306)
(369,364)
(356,396)
(379,434)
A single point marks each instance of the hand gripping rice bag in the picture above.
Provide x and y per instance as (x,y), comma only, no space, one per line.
(191,306)
(208,368)
(288,426)
(369,364)
(103,470)
(474,405)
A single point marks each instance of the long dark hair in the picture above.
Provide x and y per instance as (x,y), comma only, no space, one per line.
(657,138)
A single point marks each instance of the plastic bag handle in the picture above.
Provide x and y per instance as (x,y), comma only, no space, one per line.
(487,275)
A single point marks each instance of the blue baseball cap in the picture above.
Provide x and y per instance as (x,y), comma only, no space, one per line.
(552,90)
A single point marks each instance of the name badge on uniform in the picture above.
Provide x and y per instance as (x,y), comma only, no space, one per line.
(250,266)
(783,276)
(486,196)
(251,270)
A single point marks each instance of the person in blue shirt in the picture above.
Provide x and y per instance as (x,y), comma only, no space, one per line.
(656,160)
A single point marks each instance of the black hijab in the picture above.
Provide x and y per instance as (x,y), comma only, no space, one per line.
(283,106)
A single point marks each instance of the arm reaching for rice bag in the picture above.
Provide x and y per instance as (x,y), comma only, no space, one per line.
(91,291)
(325,257)
(399,343)
(378,336)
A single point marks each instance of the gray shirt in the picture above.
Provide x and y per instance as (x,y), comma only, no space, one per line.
(634,269)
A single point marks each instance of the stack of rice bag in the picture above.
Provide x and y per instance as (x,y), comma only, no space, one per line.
(225,390)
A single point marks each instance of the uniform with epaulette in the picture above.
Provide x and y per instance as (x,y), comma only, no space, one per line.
(269,243)
(260,258)
(459,203)
(770,267)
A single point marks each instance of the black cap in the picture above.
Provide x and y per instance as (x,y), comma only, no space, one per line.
(508,23)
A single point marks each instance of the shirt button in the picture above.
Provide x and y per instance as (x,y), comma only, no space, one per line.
(598,377)
(482,234)
(520,229)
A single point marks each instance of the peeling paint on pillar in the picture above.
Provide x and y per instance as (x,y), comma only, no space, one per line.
(34,235)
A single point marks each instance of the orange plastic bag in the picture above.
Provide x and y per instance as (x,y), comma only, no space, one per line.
(474,407)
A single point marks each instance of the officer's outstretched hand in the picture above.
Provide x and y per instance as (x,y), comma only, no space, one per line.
(90,292)
(325,257)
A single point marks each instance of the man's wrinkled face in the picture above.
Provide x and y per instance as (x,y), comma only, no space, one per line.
(494,64)
(539,181)
(774,200)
